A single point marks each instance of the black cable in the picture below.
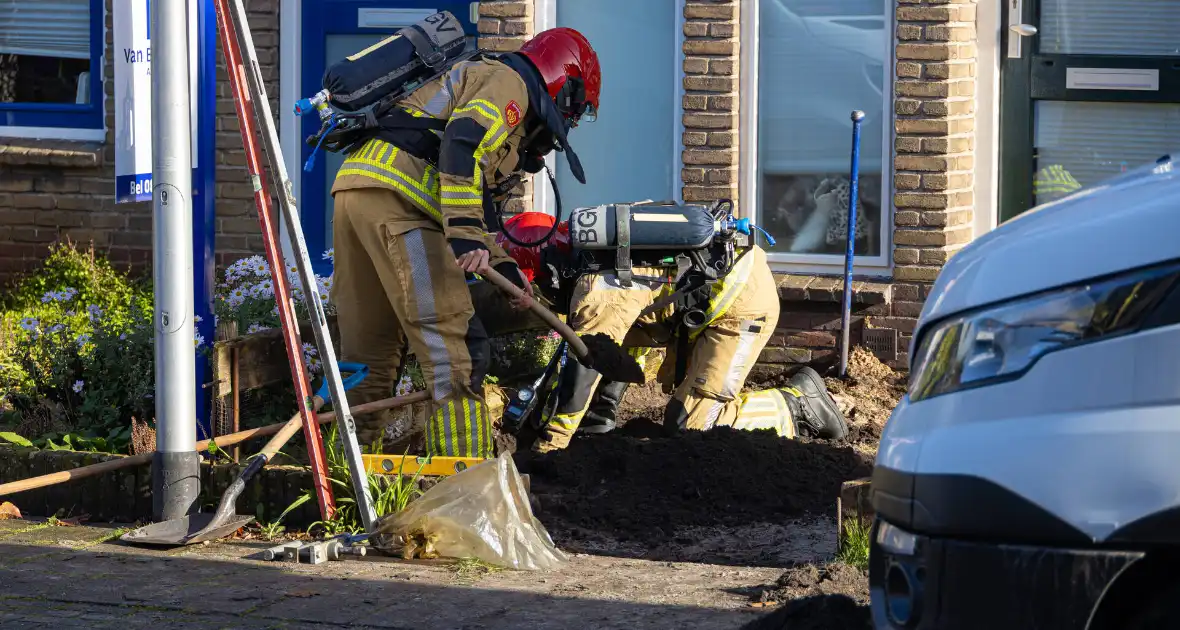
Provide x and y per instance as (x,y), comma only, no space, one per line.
(556,219)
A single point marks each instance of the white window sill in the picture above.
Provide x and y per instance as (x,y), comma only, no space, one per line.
(53,133)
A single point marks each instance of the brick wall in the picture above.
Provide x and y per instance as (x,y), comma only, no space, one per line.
(935,147)
(711,100)
(503,26)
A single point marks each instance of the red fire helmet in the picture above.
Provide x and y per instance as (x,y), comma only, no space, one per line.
(561,54)
(529,227)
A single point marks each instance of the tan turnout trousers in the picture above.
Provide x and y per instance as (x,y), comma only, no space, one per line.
(742,314)
(393,285)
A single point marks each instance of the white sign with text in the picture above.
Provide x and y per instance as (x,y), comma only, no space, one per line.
(133,96)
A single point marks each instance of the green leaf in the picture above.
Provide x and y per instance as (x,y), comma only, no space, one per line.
(13,438)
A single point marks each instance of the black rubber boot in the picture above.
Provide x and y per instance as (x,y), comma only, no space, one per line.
(814,410)
(604,409)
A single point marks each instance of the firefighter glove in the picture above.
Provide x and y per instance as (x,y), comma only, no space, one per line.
(462,246)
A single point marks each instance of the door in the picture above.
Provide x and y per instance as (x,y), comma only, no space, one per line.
(630,152)
(332,30)
(1089,89)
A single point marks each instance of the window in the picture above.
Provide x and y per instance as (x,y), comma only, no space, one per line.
(817,61)
(50,66)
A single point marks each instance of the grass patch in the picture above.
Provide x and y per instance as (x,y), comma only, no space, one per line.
(854,544)
(472,569)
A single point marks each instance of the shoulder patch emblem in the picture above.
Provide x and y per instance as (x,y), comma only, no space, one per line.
(512,114)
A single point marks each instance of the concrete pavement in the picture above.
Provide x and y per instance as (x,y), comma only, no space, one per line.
(82,577)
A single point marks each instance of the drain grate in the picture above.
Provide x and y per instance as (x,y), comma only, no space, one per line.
(882,341)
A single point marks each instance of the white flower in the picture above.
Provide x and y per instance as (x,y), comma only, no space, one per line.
(236,300)
(405,385)
(198,340)
(259,266)
(253,328)
(198,319)
(274,310)
(78,385)
(309,349)
(29,324)
(313,364)
(330,254)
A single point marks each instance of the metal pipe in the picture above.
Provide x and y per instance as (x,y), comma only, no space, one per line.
(176,481)
(849,251)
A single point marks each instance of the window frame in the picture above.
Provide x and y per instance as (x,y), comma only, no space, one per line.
(62,121)
(749,167)
(544,18)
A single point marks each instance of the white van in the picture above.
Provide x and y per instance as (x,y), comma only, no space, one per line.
(1031,476)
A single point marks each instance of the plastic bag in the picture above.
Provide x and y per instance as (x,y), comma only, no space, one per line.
(482,512)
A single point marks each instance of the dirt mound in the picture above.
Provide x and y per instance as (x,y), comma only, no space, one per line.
(830,596)
(867,395)
(645,490)
(811,580)
(824,612)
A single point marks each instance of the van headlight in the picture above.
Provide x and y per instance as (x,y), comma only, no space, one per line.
(1003,341)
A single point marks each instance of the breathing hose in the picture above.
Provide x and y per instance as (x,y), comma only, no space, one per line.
(556,222)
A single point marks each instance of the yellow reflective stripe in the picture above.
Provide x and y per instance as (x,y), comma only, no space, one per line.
(424,204)
(483,107)
(453,445)
(567,421)
(471,430)
(726,291)
(493,138)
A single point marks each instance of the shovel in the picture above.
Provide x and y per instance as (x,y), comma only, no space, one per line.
(597,352)
(197,528)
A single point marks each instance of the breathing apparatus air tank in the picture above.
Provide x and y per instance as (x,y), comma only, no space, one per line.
(643,226)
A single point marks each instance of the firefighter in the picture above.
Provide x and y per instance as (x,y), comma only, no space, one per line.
(410,223)
(741,312)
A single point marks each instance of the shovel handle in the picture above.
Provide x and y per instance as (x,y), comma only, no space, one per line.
(567,333)
(229,439)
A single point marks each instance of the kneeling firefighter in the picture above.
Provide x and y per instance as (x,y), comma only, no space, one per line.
(432,132)
(681,277)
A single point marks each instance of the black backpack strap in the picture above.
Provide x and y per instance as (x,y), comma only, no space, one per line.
(428,52)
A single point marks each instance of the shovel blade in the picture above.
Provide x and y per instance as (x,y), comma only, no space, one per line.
(182,531)
(611,360)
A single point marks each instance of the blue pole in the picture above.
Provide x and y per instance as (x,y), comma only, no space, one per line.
(204,223)
(849,251)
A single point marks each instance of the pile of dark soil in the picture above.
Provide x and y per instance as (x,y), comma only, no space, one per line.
(811,580)
(824,612)
(830,596)
(645,490)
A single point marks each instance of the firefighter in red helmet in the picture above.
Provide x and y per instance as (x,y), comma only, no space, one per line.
(411,221)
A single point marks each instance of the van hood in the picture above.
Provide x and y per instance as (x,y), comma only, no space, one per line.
(1124,222)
